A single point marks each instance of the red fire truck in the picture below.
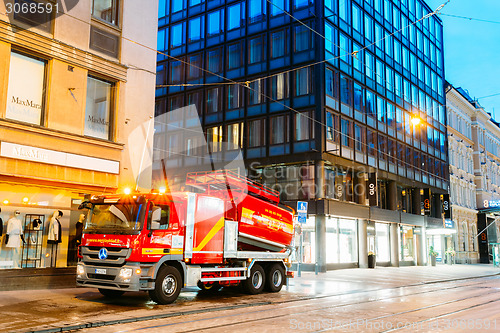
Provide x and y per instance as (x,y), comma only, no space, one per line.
(227,231)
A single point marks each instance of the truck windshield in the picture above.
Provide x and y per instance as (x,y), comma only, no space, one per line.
(118,218)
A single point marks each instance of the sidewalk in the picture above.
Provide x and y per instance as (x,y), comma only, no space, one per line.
(51,310)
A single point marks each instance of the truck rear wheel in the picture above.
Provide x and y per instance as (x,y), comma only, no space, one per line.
(255,283)
(111,292)
(168,285)
(275,278)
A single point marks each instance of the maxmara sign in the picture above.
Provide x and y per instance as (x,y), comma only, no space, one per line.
(54,157)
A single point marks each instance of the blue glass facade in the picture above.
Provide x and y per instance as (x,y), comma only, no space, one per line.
(374,71)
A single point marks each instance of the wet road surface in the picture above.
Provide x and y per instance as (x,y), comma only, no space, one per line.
(408,299)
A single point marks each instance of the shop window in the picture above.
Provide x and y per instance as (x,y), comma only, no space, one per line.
(382,242)
(25,98)
(98,109)
(407,244)
(107,10)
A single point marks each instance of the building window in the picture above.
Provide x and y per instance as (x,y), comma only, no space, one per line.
(256,133)
(214,59)
(279,86)
(360,138)
(303,82)
(234,56)
(332,127)
(278,7)
(234,16)
(107,10)
(233,96)
(215,22)
(234,136)
(98,109)
(25,98)
(195,29)
(278,44)
(177,37)
(194,67)
(256,50)
(279,130)
(255,91)
(346,137)
(303,126)
(372,143)
(213,100)
(331,83)
(176,71)
(214,138)
(257,10)
(303,40)
(178,5)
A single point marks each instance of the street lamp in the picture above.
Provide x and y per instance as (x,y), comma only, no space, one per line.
(415,121)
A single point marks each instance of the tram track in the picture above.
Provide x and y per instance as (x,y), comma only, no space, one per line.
(292,304)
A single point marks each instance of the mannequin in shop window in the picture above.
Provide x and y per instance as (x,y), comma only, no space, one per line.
(1,226)
(54,236)
(13,238)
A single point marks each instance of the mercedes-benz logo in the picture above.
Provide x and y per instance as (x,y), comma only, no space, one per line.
(103,253)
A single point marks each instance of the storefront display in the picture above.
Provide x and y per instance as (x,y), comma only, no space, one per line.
(407,244)
(383,242)
(54,236)
(31,255)
(13,239)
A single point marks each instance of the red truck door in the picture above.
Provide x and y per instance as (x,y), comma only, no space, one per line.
(164,232)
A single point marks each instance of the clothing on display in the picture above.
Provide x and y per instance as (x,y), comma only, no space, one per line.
(55,230)
(1,226)
(36,224)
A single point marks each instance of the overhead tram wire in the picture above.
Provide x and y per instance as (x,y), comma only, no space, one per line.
(246,85)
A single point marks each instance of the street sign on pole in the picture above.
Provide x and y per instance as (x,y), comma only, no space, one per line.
(301,211)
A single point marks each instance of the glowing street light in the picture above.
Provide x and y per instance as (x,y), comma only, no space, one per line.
(415,121)
(127,191)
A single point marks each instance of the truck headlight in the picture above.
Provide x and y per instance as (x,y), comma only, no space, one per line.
(126,273)
(80,270)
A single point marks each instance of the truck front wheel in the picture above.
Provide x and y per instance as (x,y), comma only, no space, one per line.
(275,278)
(168,285)
(255,283)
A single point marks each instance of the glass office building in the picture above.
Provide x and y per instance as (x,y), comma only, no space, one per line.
(320,96)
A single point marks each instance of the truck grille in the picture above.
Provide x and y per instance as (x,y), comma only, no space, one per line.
(116,256)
